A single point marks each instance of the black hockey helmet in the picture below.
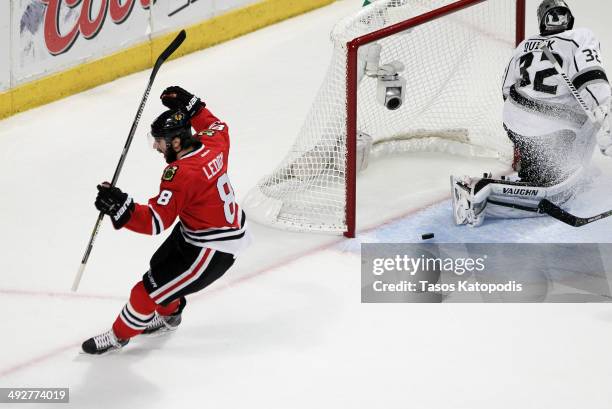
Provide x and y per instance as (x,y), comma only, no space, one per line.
(171,124)
(174,124)
(554,16)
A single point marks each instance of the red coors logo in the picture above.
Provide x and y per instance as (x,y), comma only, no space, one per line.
(88,24)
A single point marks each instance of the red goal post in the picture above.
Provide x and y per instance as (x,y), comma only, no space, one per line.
(405,76)
(352,84)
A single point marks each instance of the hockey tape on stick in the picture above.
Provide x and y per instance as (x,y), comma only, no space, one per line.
(176,43)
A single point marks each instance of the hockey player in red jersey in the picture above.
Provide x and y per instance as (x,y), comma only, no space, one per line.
(210,232)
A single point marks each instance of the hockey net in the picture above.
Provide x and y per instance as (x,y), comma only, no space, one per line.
(454,55)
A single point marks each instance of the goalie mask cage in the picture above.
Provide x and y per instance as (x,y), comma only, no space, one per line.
(454,55)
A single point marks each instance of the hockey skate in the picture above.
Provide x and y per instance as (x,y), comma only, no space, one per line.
(103,343)
(162,324)
(462,197)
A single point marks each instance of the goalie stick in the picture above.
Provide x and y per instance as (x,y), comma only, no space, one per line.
(568,82)
(551,209)
(174,45)
(546,206)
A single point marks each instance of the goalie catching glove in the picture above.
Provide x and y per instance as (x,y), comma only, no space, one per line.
(114,203)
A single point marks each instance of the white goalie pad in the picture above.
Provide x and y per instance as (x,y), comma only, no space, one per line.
(506,198)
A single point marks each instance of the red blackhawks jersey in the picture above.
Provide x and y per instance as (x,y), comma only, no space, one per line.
(196,188)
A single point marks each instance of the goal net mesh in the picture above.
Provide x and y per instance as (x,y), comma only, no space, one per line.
(453,66)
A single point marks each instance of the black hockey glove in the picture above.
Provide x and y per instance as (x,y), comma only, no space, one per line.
(177,98)
(113,202)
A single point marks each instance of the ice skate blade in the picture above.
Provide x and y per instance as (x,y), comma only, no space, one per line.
(159,333)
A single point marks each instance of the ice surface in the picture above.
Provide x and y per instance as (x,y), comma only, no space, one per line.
(285,327)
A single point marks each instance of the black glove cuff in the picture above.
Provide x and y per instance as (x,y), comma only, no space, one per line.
(123,214)
(196,109)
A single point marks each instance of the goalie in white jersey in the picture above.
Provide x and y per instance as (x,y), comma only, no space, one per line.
(553,136)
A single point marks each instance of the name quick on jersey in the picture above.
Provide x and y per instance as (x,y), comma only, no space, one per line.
(214,166)
(534,45)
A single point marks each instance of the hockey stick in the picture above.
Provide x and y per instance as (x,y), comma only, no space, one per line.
(568,82)
(546,206)
(160,60)
(556,212)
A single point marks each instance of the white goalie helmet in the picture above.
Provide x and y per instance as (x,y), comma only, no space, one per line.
(554,16)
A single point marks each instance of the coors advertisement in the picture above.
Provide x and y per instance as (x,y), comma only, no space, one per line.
(52,35)
(63,25)
(57,34)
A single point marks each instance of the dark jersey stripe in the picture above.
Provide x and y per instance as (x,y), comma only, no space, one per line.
(196,235)
(558,38)
(514,206)
(155,222)
(592,75)
(593,95)
(136,324)
(226,238)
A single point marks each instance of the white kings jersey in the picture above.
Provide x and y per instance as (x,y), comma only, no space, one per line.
(538,102)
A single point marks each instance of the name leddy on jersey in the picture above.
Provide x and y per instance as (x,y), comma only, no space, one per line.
(214,166)
(169,173)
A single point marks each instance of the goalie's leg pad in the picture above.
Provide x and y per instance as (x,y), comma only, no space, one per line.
(460,200)
(506,198)
(464,211)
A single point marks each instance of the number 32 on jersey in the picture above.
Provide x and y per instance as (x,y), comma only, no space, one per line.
(527,61)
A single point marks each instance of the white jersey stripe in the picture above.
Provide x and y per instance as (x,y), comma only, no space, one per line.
(127,322)
(137,315)
(217,235)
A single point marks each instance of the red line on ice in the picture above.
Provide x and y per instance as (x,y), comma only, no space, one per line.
(246,278)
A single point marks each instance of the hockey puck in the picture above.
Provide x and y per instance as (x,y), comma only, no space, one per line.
(427,236)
